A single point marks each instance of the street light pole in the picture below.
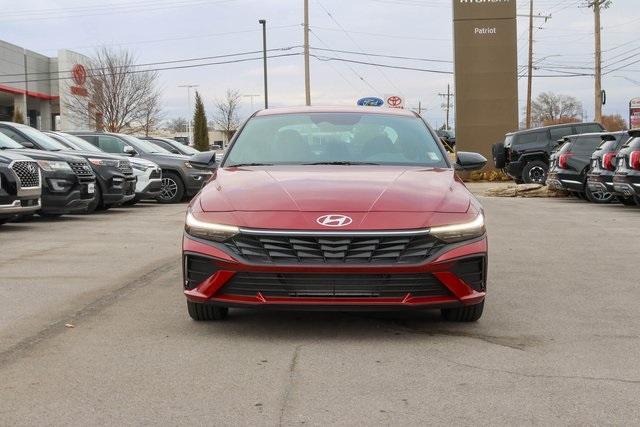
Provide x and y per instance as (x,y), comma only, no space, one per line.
(263,22)
(190,110)
(307,78)
(251,96)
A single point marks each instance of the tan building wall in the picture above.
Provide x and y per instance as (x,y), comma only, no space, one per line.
(486,77)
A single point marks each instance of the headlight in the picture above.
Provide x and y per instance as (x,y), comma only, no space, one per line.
(53,165)
(458,232)
(104,162)
(207,230)
(140,167)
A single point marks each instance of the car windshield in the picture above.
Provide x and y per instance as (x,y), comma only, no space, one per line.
(182,147)
(44,141)
(144,146)
(335,138)
(6,142)
(79,143)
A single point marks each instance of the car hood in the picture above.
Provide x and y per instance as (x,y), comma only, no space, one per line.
(336,189)
(48,155)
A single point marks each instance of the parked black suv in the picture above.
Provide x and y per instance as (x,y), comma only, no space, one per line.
(570,166)
(603,162)
(524,155)
(20,185)
(116,183)
(68,183)
(179,177)
(626,181)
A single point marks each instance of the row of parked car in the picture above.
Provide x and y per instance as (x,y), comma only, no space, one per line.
(55,173)
(582,158)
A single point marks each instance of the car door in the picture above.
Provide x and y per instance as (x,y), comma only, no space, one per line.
(111,144)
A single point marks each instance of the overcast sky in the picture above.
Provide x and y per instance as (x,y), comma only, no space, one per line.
(164,30)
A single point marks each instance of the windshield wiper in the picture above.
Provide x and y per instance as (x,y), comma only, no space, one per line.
(248,164)
(341,163)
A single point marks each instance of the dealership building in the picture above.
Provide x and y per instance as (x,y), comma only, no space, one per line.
(39,86)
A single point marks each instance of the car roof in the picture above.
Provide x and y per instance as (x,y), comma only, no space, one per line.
(337,109)
(550,127)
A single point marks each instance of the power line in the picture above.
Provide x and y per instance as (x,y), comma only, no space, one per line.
(384,56)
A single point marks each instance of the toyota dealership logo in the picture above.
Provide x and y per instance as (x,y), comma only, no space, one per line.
(334,220)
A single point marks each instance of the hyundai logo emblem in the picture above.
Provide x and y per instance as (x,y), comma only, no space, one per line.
(334,220)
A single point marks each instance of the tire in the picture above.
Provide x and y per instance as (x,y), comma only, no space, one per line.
(535,172)
(4,220)
(599,197)
(206,312)
(499,158)
(172,188)
(628,201)
(469,313)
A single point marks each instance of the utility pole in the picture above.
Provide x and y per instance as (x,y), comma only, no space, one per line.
(190,118)
(530,77)
(307,80)
(447,104)
(25,113)
(530,66)
(598,53)
(263,22)
(419,108)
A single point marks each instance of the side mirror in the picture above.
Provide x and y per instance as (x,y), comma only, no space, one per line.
(467,161)
(129,151)
(204,160)
(28,144)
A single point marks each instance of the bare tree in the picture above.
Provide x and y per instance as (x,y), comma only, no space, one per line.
(117,96)
(178,124)
(226,117)
(549,108)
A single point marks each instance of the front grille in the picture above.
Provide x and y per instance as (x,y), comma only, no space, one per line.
(81,168)
(197,269)
(124,167)
(333,250)
(335,285)
(472,271)
(28,173)
(156,174)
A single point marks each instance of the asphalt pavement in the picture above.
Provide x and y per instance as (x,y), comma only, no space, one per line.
(94,331)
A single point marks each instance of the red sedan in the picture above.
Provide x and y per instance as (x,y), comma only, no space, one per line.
(336,208)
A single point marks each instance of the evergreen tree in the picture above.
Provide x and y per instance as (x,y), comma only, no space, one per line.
(200,131)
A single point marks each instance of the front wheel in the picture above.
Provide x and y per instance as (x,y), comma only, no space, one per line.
(469,313)
(206,312)
(535,172)
(172,188)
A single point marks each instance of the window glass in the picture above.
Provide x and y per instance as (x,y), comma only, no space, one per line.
(532,137)
(79,143)
(588,128)
(143,146)
(7,142)
(44,141)
(13,135)
(586,145)
(320,138)
(560,132)
(111,144)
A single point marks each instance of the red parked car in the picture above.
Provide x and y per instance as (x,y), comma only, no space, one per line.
(336,208)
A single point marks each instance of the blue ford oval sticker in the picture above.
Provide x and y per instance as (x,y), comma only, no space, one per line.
(370,101)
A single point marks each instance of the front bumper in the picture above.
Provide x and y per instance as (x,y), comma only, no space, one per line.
(195,180)
(447,285)
(65,193)
(149,183)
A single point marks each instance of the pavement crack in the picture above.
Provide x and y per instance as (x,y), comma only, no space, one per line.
(547,376)
(20,348)
(286,395)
